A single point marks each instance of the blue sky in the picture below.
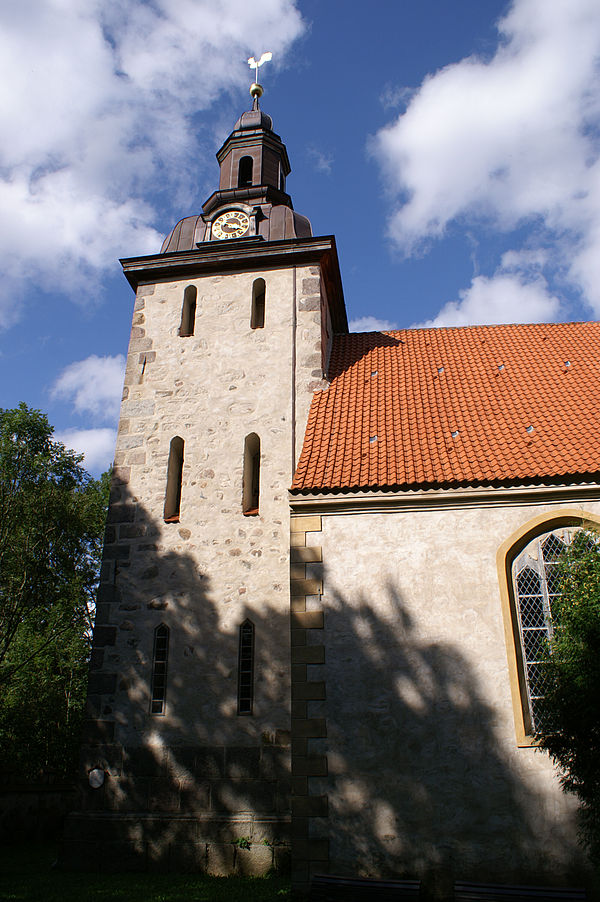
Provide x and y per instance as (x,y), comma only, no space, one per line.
(451,146)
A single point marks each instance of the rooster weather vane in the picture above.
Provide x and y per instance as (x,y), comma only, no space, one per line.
(256,90)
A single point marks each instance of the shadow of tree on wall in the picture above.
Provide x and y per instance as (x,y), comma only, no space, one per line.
(200,787)
(419,784)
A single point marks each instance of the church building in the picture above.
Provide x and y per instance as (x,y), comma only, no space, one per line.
(328,566)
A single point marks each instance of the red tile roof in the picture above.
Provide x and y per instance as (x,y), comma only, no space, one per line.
(443,407)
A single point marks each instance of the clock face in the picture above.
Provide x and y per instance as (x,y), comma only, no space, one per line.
(232,224)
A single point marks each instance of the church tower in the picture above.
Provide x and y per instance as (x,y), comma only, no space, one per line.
(187,749)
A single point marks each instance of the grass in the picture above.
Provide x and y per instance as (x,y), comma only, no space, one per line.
(28,874)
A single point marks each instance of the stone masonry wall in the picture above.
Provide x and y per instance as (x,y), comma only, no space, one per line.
(418,772)
(204,575)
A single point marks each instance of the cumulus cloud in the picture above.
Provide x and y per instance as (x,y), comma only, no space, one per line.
(503,298)
(371,324)
(511,141)
(96,445)
(93,386)
(96,104)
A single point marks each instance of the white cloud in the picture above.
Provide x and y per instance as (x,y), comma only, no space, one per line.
(93,385)
(510,141)
(323,161)
(371,324)
(503,298)
(97,446)
(96,100)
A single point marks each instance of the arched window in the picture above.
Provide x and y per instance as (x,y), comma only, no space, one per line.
(188,312)
(174,474)
(251,486)
(246,668)
(257,315)
(160,658)
(245,172)
(536,581)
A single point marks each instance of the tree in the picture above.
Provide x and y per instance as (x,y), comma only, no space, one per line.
(571,707)
(52,517)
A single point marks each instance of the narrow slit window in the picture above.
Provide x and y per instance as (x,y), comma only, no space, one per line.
(251,487)
(246,668)
(159,669)
(257,316)
(245,172)
(188,312)
(174,475)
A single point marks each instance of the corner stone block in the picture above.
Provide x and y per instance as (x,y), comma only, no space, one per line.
(311,766)
(306,555)
(310,806)
(309,654)
(308,620)
(104,635)
(306,587)
(305,524)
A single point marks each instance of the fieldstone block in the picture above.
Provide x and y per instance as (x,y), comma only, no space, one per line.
(253,862)
(104,635)
(121,513)
(242,763)
(220,859)
(101,683)
(210,762)
(97,731)
(187,857)
(194,797)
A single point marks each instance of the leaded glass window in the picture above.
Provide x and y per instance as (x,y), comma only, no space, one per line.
(160,659)
(536,578)
(246,668)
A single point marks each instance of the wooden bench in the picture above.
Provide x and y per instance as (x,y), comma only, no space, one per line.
(491,892)
(327,888)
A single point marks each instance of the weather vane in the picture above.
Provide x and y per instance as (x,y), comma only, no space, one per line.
(256,90)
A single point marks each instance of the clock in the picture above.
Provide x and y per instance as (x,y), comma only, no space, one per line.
(232,224)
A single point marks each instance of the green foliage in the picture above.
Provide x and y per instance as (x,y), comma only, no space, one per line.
(571,708)
(51,524)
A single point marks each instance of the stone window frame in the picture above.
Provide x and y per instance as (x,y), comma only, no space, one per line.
(508,554)
(188,312)
(259,297)
(251,475)
(172,506)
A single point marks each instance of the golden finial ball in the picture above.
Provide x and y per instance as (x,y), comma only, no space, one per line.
(256,90)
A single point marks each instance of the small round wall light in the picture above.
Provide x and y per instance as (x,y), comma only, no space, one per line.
(96,777)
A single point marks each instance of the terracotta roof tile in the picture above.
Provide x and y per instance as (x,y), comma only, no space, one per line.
(471,405)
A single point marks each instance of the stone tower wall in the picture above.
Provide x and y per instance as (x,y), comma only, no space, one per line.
(201,763)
